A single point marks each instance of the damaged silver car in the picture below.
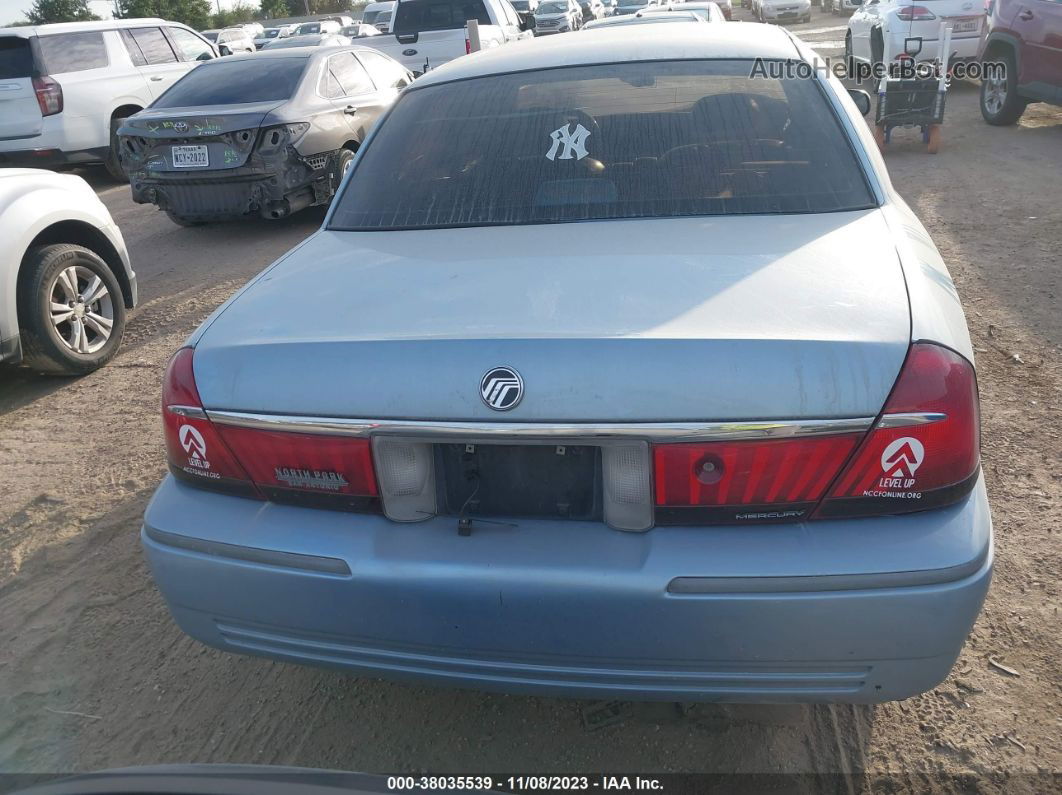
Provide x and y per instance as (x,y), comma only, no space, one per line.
(261,135)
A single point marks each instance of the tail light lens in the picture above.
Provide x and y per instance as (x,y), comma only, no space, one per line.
(762,480)
(468,46)
(49,95)
(902,467)
(307,469)
(915,14)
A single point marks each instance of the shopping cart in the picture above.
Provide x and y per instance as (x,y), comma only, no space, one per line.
(915,102)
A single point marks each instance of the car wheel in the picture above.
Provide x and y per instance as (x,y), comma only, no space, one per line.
(1000,103)
(848,46)
(180,220)
(343,161)
(71,310)
(113,162)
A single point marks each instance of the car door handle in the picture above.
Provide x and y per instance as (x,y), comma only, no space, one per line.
(350,110)
(1026,15)
(157,78)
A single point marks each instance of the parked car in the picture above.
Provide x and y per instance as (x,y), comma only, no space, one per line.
(310,40)
(838,6)
(65,277)
(706,10)
(709,12)
(512,478)
(65,88)
(318,27)
(784,10)
(557,16)
(428,33)
(878,30)
(373,10)
(359,30)
(651,16)
(378,15)
(591,9)
(1026,36)
(634,6)
(271,34)
(257,136)
(343,20)
(231,40)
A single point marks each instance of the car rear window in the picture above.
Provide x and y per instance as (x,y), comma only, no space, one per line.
(224,82)
(73,52)
(416,16)
(16,57)
(631,140)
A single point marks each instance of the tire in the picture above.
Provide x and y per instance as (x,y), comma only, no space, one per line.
(182,221)
(50,347)
(113,164)
(848,47)
(877,48)
(1000,103)
(343,161)
(933,142)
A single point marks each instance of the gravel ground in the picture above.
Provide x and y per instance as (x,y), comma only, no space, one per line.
(94,674)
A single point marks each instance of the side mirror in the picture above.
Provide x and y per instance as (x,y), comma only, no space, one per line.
(861,99)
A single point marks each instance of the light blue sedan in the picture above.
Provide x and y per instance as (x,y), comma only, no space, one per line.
(615,371)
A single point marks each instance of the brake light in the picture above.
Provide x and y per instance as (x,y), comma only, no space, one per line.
(195,451)
(915,14)
(468,46)
(49,95)
(307,469)
(902,467)
(746,481)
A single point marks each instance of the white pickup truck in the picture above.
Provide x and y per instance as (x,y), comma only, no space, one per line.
(425,34)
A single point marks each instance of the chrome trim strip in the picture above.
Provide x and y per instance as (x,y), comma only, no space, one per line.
(905,420)
(188,411)
(469,431)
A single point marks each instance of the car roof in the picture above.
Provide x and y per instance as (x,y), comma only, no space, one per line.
(26,31)
(622,43)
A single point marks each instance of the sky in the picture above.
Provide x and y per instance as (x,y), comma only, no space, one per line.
(11,10)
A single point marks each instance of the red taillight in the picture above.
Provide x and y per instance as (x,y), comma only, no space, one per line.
(746,481)
(323,471)
(194,449)
(915,14)
(468,46)
(289,467)
(925,451)
(49,95)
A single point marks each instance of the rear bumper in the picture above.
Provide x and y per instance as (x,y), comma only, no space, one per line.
(962,49)
(231,196)
(49,157)
(848,611)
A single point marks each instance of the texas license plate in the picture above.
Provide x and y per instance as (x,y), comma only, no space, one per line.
(190,156)
(965,26)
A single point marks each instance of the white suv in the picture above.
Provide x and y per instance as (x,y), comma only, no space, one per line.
(230,41)
(65,88)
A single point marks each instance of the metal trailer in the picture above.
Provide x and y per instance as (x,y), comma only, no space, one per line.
(915,102)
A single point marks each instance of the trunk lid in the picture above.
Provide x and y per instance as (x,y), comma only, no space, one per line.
(229,133)
(726,318)
(20,113)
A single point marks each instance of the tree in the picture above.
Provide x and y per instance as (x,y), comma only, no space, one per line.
(46,11)
(274,9)
(236,15)
(194,13)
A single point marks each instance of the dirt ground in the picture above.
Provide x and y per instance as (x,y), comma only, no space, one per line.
(94,674)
